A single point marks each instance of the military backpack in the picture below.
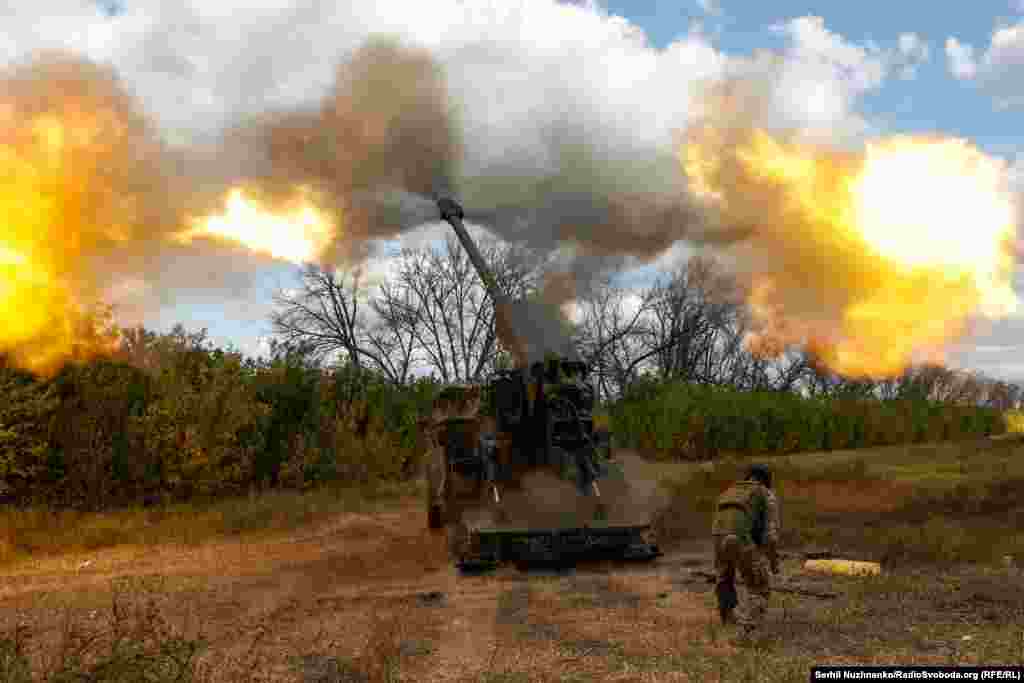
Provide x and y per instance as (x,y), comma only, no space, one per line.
(742,495)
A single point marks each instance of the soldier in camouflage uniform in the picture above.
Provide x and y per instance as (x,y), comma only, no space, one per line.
(746,531)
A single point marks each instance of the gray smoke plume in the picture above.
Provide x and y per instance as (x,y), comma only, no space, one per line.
(375,149)
(389,139)
(395,133)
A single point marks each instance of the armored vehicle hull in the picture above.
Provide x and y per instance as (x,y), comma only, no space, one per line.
(507,496)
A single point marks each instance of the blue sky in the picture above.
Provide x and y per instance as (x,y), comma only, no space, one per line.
(933,101)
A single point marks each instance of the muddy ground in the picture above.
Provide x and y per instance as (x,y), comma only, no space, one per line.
(373,597)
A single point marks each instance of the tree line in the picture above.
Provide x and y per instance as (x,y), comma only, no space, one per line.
(433,318)
(172,417)
(354,365)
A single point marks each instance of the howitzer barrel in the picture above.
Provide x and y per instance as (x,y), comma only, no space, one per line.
(453,214)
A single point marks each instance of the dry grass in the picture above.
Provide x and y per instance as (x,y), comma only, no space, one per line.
(39,532)
(952,618)
(965,617)
(926,608)
(940,517)
(944,503)
(132,642)
(382,656)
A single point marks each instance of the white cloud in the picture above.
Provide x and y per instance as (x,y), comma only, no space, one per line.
(960,58)
(514,67)
(823,74)
(915,51)
(813,45)
(1016,173)
(632,300)
(912,45)
(996,348)
(1007,46)
(1003,70)
(379,270)
(712,7)
(674,257)
(999,69)
(631,304)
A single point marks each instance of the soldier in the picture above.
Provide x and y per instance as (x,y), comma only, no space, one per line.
(745,530)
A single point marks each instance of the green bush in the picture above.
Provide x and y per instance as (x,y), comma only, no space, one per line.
(699,422)
(180,420)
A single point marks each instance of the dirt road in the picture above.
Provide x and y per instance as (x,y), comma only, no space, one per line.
(365,587)
(372,597)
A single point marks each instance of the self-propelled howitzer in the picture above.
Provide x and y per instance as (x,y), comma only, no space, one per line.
(528,477)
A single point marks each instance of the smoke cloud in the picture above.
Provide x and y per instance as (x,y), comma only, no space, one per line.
(88,184)
(375,149)
(551,123)
(859,255)
(388,139)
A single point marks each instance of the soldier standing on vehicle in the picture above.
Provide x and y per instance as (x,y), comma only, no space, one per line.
(746,531)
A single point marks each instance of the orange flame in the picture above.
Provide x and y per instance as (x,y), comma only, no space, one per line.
(299,233)
(46,306)
(870,260)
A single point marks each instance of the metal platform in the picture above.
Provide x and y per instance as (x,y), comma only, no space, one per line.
(563,546)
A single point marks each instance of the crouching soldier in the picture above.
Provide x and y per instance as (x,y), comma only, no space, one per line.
(745,530)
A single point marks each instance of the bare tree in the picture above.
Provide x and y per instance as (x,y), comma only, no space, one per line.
(1003,396)
(327,316)
(393,336)
(322,314)
(434,314)
(929,381)
(679,325)
(695,329)
(440,308)
(608,335)
(783,370)
(691,327)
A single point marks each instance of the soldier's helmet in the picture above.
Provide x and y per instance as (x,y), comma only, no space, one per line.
(761,473)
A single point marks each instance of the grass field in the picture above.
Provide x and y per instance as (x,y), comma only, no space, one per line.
(951,502)
(40,532)
(940,517)
(947,522)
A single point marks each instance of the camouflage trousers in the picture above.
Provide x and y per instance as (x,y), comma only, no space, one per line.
(731,556)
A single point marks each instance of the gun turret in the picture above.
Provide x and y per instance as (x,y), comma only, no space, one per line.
(453,214)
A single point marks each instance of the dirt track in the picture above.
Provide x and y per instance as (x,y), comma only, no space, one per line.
(351,589)
(339,601)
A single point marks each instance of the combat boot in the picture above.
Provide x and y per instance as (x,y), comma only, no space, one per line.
(727,602)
